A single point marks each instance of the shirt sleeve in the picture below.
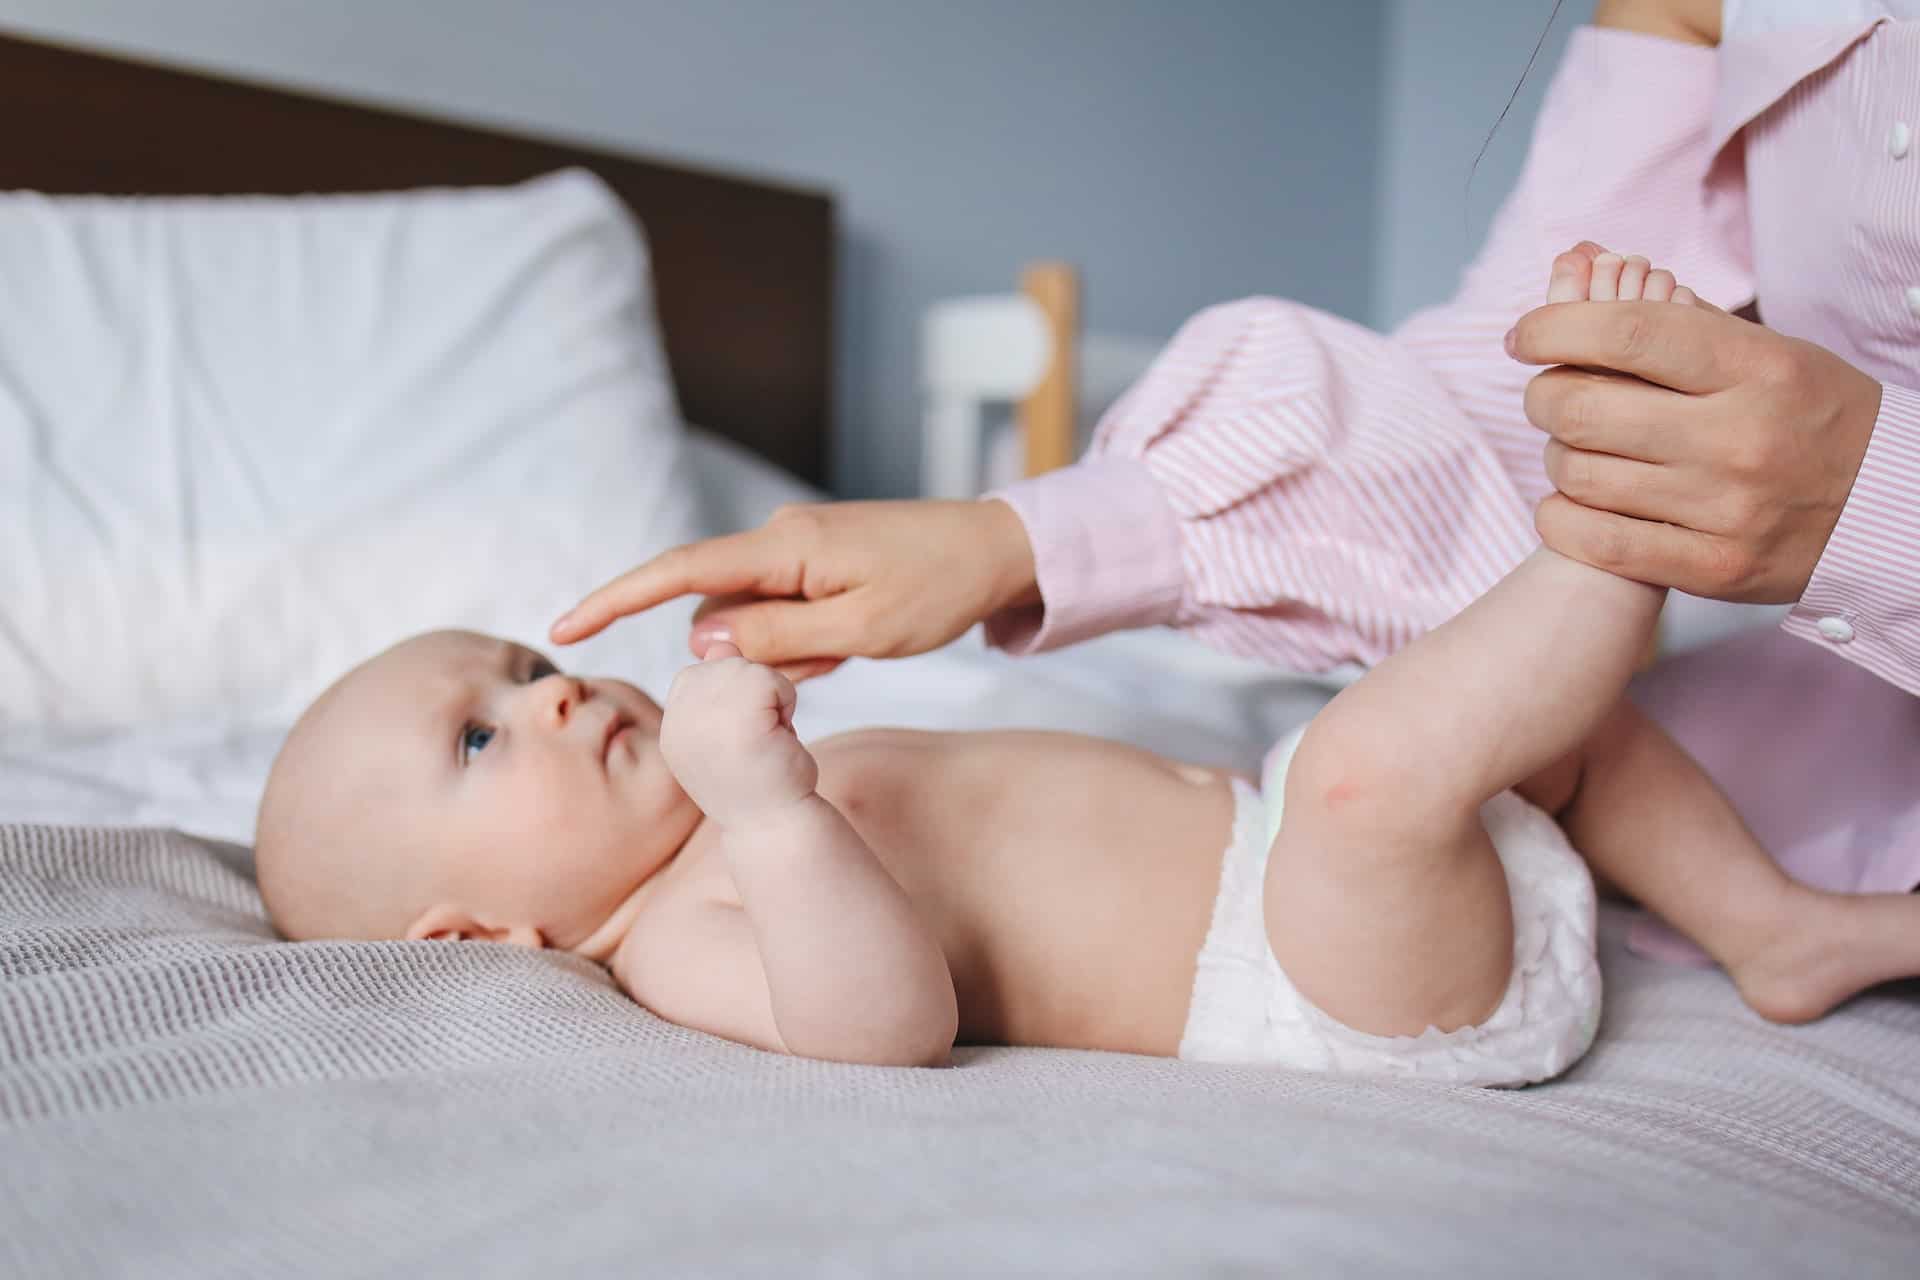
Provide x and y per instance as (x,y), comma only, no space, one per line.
(1863,601)
(1289,486)
(1283,484)
(1621,155)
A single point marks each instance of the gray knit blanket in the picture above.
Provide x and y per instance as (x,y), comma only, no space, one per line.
(183,1095)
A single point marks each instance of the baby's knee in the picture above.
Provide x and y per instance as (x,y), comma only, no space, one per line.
(1358,773)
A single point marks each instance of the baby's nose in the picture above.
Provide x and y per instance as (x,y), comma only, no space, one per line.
(560,696)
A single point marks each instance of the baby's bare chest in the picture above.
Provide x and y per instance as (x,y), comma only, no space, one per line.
(1069,881)
(1051,867)
(999,809)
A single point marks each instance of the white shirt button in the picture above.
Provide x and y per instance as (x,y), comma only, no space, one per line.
(1838,630)
(1897,139)
(1913,298)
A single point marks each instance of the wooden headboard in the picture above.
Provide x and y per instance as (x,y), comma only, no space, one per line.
(743,270)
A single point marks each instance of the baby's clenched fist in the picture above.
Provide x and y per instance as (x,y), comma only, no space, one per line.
(727,734)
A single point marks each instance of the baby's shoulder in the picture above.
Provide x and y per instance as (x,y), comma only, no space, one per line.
(696,962)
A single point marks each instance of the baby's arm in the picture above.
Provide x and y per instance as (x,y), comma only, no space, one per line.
(851,971)
(1648,819)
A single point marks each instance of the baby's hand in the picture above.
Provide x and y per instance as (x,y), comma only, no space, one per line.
(1588,273)
(727,734)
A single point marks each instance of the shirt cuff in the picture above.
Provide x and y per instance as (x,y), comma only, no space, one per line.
(1863,601)
(1106,555)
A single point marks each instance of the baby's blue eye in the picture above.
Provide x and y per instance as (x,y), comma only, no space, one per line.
(476,738)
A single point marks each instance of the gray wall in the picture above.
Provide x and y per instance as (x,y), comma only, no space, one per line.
(1179,153)
(1449,68)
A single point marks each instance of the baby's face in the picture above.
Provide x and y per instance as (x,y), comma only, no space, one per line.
(474,791)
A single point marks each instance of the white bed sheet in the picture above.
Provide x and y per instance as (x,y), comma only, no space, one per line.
(182,1098)
(1156,689)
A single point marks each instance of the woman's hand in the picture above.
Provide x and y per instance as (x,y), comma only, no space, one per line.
(818,584)
(1692,449)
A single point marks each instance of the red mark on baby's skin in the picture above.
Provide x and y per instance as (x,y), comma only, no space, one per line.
(1339,793)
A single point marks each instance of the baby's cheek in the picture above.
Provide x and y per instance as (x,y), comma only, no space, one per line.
(518,819)
(575,832)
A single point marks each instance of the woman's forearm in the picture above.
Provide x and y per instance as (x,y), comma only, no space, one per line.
(853,971)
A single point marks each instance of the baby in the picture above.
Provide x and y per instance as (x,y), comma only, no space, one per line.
(1396,898)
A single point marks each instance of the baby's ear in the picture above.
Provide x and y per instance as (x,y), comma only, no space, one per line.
(448,923)
(441,923)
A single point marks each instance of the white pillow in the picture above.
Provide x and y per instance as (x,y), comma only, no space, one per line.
(247,441)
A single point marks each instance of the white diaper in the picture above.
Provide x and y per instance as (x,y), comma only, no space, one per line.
(1245,1010)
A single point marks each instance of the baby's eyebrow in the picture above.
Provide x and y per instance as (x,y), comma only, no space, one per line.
(445,717)
(449,704)
(449,707)
(509,657)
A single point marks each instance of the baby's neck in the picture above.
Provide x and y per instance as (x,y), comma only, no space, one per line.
(604,943)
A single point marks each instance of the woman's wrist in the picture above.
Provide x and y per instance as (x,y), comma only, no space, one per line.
(1015,580)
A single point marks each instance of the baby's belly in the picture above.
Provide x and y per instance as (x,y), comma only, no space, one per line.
(1071,881)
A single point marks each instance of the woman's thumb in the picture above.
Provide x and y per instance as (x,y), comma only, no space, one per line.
(1692,299)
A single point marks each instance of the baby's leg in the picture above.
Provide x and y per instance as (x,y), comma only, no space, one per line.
(1385,900)
(1650,820)
(1386,903)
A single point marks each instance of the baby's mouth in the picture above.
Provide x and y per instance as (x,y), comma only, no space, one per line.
(616,725)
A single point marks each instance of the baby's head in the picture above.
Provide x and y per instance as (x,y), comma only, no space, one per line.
(460,786)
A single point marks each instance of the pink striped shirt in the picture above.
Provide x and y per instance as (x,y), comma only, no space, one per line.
(1289,486)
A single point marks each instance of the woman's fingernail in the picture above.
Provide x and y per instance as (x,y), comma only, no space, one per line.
(1507,342)
(561,623)
(704,638)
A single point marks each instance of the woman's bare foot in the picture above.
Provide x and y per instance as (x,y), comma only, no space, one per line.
(1826,948)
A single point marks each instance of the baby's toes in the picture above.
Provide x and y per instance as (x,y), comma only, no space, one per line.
(1605,285)
(1659,285)
(1633,278)
(1568,280)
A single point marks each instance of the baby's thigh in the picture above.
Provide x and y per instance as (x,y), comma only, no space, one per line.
(1388,926)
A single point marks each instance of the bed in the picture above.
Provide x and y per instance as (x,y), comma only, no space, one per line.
(183,1094)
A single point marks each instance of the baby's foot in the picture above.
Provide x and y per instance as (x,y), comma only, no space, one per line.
(1588,273)
(1825,949)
